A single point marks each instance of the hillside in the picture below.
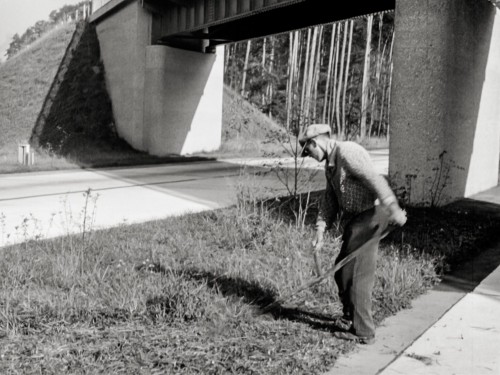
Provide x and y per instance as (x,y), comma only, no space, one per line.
(24,83)
(246,131)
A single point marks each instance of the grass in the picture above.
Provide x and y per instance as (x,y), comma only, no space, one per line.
(24,82)
(246,130)
(185,295)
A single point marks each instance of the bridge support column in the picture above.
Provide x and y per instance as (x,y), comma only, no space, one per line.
(183,100)
(165,100)
(445,102)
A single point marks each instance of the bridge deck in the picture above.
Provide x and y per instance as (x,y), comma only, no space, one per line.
(184,23)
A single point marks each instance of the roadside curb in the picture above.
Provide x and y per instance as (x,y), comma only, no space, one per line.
(397,333)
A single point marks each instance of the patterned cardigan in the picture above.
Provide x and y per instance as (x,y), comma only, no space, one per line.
(352,184)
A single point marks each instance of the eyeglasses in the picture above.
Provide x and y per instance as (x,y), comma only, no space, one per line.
(305,148)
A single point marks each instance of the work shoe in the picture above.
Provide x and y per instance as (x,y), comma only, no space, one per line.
(343,323)
(352,337)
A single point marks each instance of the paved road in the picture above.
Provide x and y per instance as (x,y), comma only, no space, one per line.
(380,159)
(48,204)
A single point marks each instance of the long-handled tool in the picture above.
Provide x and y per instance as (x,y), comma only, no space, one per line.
(330,272)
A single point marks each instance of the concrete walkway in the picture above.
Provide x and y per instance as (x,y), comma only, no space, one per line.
(453,329)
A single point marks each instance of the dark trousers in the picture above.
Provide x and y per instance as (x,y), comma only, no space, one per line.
(356,279)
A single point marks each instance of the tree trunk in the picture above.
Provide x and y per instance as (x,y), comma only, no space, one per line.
(293,75)
(326,102)
(270,90)
(342,130)
(382,107)
(334,86)
(234,67)
(389,88)
(305,76)
(366,79)
(317,70)
(263,96)
(378,71)
(289,81)
(351,25)
(385,79)
(310,75)
(227,52)
(245,68)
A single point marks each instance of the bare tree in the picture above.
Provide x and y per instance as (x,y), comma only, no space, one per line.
(294,41)
(317,69)
(366,78)
(264,53)
(269,90)
(378,72)
(351,25)
(335,73)
(326,102)
(310,69)
(245,68)
(339,87)
(305,72)
(389,85)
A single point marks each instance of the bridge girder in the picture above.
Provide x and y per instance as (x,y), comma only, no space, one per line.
(184,23)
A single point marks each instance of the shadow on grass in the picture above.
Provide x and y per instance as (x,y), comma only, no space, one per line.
(256,295)
(464,234)
(264,299)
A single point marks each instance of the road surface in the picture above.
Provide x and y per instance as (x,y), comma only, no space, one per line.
(50,204)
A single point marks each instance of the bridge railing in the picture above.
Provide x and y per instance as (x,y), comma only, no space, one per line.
(96,4)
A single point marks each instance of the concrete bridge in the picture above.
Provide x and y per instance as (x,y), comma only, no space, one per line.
(164,69)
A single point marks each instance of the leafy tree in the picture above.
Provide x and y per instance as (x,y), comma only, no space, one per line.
(41,27)
(32,33)
(14,47)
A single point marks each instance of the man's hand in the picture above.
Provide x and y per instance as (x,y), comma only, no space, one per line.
(397,216)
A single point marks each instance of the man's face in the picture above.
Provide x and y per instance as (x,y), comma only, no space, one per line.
(313,150)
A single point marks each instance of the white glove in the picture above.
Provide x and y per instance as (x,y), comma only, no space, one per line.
(397,216)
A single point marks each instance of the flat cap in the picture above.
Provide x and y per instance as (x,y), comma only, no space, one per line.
(313,131)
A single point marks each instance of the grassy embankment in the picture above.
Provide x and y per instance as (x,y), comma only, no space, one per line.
(24,83)
(185,295)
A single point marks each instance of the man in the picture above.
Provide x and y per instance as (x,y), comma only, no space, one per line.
(365,205)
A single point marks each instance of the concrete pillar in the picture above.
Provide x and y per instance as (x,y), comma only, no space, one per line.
(445,102)
(165,100)
(183,100)
(123,37)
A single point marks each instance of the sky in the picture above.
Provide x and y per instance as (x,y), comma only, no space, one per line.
(17,15)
